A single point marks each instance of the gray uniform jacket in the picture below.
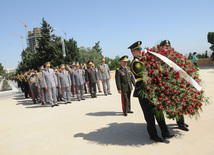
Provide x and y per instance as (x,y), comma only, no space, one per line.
(50,78)
(104,72)
(64,79)
(78,77)
(40,80)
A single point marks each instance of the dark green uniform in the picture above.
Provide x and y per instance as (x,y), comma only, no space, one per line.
(124,79)
(91,77)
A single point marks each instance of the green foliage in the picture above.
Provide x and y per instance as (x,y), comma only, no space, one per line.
(190,55)
(1,69)
(210,37)
(90,54)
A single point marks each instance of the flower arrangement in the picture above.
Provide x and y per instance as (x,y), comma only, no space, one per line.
(166,89)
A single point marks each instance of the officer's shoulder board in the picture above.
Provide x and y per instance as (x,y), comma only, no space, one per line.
(118,68)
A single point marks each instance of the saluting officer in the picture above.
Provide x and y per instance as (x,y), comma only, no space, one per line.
(52,83)
(65,84)
(78,79)
(145,104)
(91,78)
(105,76)
(124,80)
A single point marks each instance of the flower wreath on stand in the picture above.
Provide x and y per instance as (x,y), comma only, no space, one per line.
(166,88)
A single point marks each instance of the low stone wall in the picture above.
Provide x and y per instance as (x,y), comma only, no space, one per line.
(205,62)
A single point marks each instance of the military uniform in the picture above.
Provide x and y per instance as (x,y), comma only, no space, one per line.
(105,76)
(124,80)
(65,84)
(51,82)
(78,79)
(26,85)
(42,86)
(91,77)
(147,107)
(33,87)
(71,71)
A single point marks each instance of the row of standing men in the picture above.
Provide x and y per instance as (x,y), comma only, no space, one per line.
(52,85)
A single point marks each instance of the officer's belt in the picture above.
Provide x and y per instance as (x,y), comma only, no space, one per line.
(139,79)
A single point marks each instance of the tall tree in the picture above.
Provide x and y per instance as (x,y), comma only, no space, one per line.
(1,69)
(97,47)
(210,38)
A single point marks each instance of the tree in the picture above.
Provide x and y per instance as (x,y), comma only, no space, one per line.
(1,69)
(190,55)
(210,38)
(97,47)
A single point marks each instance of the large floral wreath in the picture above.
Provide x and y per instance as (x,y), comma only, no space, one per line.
(166,88)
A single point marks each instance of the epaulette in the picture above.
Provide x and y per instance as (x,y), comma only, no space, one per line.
(118,68)
(136,59)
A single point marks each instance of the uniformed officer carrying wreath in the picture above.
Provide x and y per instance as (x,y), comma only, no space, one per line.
(147,108)
(124,80)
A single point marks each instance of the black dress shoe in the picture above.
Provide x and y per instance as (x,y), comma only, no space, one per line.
(82,98)
(125,114)
(157,139)
(92,96)
(167,135)
(109,93)
(183,127)
(100,91)
(106,94)
(34,102)
(56,104)
(95,96)
(186,125)
(79,99)
(68,102)
(42,103)
(130,111)
(52,106)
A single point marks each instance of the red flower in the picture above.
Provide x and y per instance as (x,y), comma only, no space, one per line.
(166,99)
(174,83)
(173,98)
(175,92)
(160,99)
(178,100)
(161,95)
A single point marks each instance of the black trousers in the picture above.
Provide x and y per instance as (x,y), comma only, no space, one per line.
(126,104)
(180,121)
(93,89)
(150,116)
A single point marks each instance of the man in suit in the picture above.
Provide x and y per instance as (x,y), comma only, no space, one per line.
(65,84)
(91,78)
(145,104)
(78,79)
(105,76)
(52,83)
(124,80)
(41,84)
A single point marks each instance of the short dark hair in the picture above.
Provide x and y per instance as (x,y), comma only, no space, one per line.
(194,53)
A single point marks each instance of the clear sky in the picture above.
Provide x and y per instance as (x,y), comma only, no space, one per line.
(115,23)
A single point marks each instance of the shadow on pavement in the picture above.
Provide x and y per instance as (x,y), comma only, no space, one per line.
(105,113)
(132,134)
